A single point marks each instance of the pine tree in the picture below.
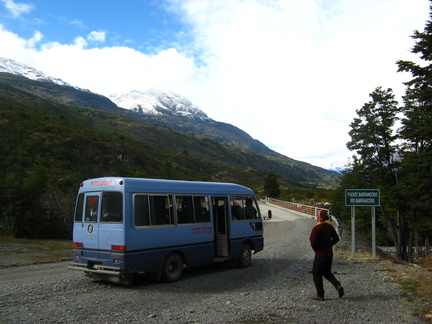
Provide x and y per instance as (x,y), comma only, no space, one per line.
(271,185)
(374,141)
(416,132)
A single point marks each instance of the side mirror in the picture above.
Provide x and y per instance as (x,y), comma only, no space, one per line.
(269,214)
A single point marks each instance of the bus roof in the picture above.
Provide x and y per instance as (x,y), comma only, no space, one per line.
(162,185)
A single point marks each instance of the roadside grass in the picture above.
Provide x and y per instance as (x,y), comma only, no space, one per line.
(415,280)
(21,251)
(36,245)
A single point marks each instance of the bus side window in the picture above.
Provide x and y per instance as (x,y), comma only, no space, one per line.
(79,208)
(243,208)
(160,210)
(112,207)
(91,209)
(141,210)
(219,210)
(237,208)
(185,209)
(202,210)
(250,208)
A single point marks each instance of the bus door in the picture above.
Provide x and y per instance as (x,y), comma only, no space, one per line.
(221,225)
(90,230)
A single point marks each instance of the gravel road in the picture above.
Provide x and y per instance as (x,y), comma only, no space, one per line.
(276,288)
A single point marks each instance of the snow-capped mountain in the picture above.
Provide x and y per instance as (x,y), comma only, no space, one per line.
(158,101)
(153,106)
(11,66)
(152,101)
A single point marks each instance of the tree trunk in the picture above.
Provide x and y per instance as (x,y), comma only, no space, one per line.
(427,247)
(402,235)
(410,243)
(392,229)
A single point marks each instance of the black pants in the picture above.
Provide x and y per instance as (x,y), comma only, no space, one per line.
(322,268)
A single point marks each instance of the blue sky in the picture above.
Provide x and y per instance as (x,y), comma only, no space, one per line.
(146,25)
(291,73)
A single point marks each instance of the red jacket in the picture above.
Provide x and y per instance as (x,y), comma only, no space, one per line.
(322,239)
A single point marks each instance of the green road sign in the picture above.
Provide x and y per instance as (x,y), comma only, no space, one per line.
(362,197)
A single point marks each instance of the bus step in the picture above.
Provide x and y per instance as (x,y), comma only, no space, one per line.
(220,259)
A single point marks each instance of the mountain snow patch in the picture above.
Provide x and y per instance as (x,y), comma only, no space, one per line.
(156,101)
(13,67)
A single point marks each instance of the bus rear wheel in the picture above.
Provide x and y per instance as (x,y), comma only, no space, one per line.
(172,268)
(245,257)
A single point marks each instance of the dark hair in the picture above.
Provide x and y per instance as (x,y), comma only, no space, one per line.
(324,214)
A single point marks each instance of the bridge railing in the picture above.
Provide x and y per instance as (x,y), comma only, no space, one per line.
(305,209)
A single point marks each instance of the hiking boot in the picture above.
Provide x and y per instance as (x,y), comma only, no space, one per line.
(340,290)
(317,298)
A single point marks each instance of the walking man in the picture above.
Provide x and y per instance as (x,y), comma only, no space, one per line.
(322,239)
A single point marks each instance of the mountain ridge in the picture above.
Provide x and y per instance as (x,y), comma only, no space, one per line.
(184,122)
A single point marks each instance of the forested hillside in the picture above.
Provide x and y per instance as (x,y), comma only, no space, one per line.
(48,148)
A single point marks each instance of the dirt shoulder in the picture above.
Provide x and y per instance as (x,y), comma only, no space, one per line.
(12,254)
(416,281)
(415,278)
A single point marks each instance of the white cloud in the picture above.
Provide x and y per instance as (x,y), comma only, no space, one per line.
(290,73)
(111,70)
(96,37)
(37,37)
(17,9)
(80,42)
(284,67)
(78,24)
(17,48)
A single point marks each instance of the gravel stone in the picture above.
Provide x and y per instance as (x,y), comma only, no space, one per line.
(276,288)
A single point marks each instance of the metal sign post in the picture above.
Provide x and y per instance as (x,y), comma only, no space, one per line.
(352,231)
(373,233)
(362,197)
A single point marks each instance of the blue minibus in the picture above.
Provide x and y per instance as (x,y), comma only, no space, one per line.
(125,226)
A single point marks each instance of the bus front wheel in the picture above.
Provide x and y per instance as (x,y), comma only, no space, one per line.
(245,257)
(172,268)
